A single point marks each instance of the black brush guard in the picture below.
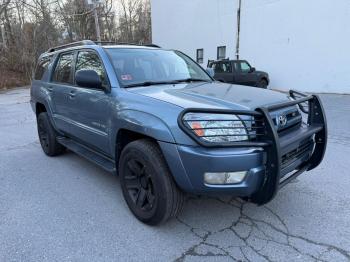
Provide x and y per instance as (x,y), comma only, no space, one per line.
(269,139)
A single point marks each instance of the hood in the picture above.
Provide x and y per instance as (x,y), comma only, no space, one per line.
(214,95)
(261,73)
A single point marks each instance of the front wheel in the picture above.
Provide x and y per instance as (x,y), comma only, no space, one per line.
(148,187)
(263,84)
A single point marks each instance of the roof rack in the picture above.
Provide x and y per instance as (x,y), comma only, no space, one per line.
(89,42)
(152,45)
(84,42)
(124,43)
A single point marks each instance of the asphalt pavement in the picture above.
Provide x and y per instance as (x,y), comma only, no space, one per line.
(67,209)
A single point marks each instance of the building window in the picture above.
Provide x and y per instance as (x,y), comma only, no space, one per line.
(221,52)
(200,54)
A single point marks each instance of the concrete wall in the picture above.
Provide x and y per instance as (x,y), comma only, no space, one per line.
(188,25)
(303,45)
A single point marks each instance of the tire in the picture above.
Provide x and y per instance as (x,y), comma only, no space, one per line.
(47,136)
(148,187)
(263,84)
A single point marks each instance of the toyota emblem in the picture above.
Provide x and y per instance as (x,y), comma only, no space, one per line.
(282,120)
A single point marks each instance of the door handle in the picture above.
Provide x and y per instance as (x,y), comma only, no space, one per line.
(50,88)
(71,94)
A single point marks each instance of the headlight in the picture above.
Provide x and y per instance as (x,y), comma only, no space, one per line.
(216,128)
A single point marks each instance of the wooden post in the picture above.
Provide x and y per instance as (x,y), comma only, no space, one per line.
(238,28)
(97,25)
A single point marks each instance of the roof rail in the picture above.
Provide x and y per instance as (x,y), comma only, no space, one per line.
(152,45)
(84,42)
(123,43)
(89,42)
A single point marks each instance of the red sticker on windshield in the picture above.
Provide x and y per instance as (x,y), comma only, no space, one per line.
(126,77)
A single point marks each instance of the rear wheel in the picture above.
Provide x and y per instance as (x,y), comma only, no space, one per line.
(263,83)
(148,187)
(48,135)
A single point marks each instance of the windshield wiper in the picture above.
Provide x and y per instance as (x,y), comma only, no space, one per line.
(188,80)
(172,82)
(151,83)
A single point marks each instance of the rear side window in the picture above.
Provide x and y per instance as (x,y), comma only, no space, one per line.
(89,60)
(222,67)
(42,67)
(226,67)
(215,66)
(63,70)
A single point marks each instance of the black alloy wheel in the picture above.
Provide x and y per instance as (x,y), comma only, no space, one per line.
(48,136)
(139,185)
(148,186)
(263,84)
(43,135)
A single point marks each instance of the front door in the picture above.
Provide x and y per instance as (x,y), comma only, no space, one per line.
(91,108)
(243,73)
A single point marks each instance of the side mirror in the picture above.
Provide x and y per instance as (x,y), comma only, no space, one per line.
(210,71)
(252,69)
(88,79)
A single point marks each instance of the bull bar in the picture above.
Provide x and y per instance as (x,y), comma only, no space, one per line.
(274,146)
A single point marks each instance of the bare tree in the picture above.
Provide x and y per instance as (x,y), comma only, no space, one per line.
(3,5)
(135,21)
(30,27)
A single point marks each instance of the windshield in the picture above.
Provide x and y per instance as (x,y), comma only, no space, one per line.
(147,66)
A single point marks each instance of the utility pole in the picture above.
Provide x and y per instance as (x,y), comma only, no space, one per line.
(97,25)
(238,28)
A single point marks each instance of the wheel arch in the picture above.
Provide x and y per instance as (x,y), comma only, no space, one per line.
(40,108)
(133,125)
(265,79)
(124,137)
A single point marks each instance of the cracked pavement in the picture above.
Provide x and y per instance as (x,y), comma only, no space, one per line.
(67,209)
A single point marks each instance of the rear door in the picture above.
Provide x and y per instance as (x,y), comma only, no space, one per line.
(61,87)
(91,107)
(223,71)
(41,77)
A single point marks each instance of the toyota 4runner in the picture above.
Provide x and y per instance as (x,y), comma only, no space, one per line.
(166,127)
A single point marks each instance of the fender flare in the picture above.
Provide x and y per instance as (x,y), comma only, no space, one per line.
(42,99)
(142,123)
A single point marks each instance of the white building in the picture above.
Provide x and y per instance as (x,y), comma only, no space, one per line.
(303,45)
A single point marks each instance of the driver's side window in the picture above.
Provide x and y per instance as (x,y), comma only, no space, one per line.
(245,67)
(89,60)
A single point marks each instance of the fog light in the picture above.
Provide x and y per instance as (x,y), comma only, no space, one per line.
(224,178)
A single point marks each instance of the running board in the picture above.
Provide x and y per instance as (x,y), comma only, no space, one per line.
(91,155)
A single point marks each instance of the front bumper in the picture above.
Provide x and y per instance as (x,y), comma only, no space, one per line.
(271,162)
(198,161)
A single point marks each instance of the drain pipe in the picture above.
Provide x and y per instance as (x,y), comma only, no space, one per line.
(238,28)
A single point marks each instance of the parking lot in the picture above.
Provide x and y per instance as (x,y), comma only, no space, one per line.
(67,209)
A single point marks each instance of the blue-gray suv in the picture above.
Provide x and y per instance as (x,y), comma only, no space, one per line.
(166,127)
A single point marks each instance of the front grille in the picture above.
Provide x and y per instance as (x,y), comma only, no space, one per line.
(300,151)
(293,120)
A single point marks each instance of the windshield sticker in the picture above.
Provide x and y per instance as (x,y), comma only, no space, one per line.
(126,77)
